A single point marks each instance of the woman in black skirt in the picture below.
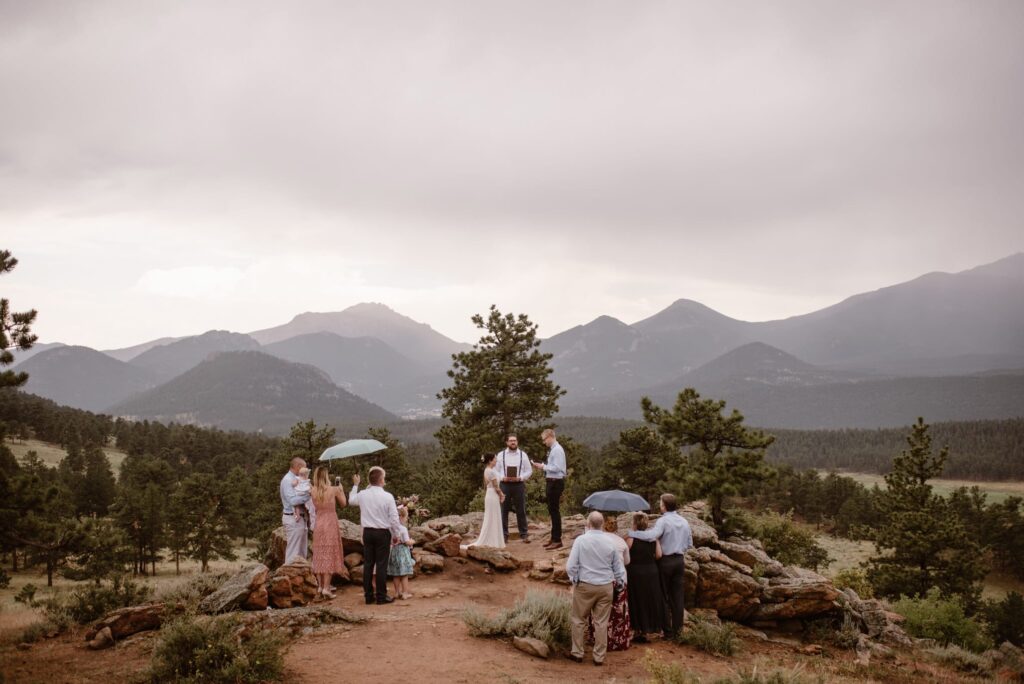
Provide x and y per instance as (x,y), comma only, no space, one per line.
(646,601)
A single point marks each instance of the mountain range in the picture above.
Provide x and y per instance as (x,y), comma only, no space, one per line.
(943,345)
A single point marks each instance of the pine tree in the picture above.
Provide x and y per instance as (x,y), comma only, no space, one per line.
(639,462)
(720,454)
(501,385)
(140,507)
(97,486)
(309,441)
(921,542)
(201,512)
(15,330)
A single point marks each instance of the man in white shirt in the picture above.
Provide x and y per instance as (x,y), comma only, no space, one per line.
(554,473)
(378,516)
(514,460)
(595,568)
(296,531)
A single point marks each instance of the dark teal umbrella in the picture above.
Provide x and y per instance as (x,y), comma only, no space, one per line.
(352,447)
(616,501)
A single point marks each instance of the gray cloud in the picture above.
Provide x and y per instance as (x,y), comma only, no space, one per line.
(778,147)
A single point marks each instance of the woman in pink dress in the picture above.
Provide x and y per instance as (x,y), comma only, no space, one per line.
(328,554)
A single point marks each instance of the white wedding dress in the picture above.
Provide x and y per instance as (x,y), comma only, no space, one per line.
(490,531)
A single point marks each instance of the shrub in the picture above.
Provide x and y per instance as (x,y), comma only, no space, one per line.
(1005,619)
(856,579)
(27,595)
(709,637)
(752,676)
(5,579)
(666,673)
(92,602)
(942,619)
(193,590)
(957,658)
(211,651)
(783,539)
(542,615)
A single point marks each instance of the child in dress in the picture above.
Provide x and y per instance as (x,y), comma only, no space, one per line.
(302,485)
(400,563)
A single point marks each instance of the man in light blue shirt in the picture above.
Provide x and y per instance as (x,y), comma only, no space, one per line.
(595,569)
(554,473)
(673,531)
(295,531)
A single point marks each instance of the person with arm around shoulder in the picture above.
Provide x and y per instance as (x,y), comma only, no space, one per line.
(673,532)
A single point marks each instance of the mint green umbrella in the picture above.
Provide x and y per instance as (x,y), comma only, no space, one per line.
(352,447)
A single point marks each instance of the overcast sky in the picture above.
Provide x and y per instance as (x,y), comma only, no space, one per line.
(168,168)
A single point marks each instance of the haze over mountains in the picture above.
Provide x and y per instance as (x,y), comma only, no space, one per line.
(872,360)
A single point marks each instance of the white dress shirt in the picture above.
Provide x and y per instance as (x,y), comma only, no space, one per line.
(514,458)
(376,509)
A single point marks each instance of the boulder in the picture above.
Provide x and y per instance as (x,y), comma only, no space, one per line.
(716,581)
(258,599)
(428,562)
(421,534)
(449,524)
(237,590)
(703,533)
(356,574)
(276,549)
(292,585)
(806,596)
(534,647)
(448,545)
(127,621)
(499,559)
(103,639)
(558,573)
(751,555)
(353,559)
(871,616)
(351,536)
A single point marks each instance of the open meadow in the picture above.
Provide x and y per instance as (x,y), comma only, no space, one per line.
(996,491)
(51,454)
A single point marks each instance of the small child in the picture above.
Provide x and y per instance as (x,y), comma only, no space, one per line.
(400,563)
(304,511)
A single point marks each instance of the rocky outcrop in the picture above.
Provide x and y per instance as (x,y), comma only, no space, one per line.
(421,534)
(802,594)
(427,562)
(103,639)
(714,580)
(351,537)
(448,525)
(292,585)
(499,559)
(448,545)
(751,553)
(127,621)
(353,560)
(873,619)
(247,588)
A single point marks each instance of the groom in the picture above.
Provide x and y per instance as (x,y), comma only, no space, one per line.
(514,460)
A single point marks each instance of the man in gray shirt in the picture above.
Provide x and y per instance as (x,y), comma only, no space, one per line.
(595,568)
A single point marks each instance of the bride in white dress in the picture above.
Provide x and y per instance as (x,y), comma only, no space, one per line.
(490,531)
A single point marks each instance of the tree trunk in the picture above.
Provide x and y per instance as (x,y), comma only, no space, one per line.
(49,571)
(14,560)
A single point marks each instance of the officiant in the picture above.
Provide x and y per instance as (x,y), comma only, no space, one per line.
(514,466)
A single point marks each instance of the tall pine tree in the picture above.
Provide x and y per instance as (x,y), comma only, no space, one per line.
(15,330)
(501,385)
(720,454)
(921,542)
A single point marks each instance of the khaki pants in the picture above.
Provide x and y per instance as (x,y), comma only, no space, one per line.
(590,599)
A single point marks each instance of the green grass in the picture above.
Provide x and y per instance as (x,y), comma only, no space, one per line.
(51,454)
(996,491)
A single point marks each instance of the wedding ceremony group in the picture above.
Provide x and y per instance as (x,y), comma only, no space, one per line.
(625,587)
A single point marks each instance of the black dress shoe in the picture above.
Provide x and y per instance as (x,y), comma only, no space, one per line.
(370,600)
(526,540)
(574,658)
(386,599)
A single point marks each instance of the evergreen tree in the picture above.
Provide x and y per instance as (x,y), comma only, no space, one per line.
(104,552)
(921,542)
(309,441)
(201,512)
(639,462)
(720,455)
(141,505)
(501,385)
(97,486)
(15,330)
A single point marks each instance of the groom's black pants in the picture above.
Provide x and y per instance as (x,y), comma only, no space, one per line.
(673,579)
(515,493)
(553,492)
(376,551)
